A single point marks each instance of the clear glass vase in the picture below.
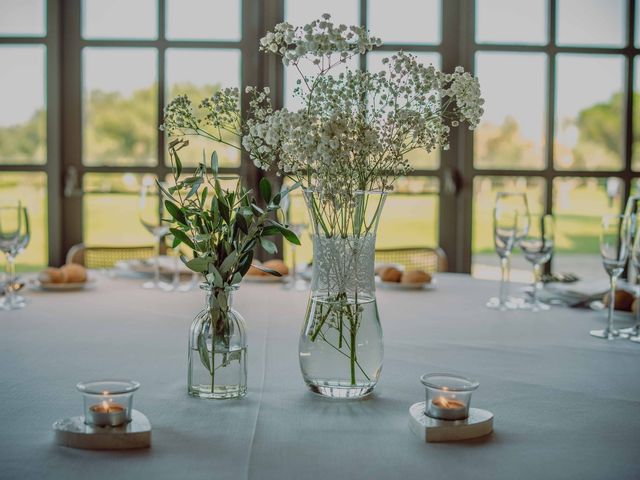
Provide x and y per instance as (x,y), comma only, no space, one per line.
(340,346)
(217,349)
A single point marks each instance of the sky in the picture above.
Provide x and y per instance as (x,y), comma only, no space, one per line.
(512,84)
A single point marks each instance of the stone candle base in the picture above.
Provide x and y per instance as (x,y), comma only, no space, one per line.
(478,424)
(73,432)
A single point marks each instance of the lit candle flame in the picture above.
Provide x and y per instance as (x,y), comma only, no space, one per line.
(105,405)
(445,403)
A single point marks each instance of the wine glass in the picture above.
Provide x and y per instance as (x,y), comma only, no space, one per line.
(294,282)
(614,250)
(537,246)
(149,215)
(510,225)
(15,234)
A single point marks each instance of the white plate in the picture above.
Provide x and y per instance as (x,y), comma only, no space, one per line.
(62,287)
(264,278)
(406,286)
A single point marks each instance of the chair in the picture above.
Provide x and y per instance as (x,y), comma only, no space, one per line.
(415,258)
(105,257)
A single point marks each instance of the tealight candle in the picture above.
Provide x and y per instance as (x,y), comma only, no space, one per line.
(448,396)
(108,402)
(105,413)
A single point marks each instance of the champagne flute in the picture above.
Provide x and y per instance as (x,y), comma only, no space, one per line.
(149,216)
(510,225)
(15,234)
(635,260)
(614,250)
(537,246)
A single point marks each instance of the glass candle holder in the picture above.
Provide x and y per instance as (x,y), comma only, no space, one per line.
(108,402)
(448,396)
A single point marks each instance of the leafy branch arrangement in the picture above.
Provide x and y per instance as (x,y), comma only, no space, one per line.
(222,228)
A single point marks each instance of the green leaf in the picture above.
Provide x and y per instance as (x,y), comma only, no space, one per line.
(265,189)
(176,157)
(270,230)
(245,263)
(182,237)
(228,262)
(214,162)
(175,212)
(268,245)
(242,223)
(290,236)
(203,352)
(217,278)
(199,264)
(164,190)
(268,270)
(237,278)
(224,211)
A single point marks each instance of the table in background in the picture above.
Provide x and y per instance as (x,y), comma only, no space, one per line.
(566,405)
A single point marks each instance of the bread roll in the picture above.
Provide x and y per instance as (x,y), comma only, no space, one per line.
(75,273)
(390,274)
(624,300)
(52,275)
(415,276)
(277,265)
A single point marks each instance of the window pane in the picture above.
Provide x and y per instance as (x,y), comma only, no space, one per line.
(300,12)
(405,21)
(410,215)
(203,19)
(198,73)
(636,115)
(23,18)
(511,21)
(120,106)
(485,263)
(419,159)
(409,218)
(23,126)
(589,112)
(578,205)
(591,22)
(512,132)
(120,19)
(110,209)
(31,190)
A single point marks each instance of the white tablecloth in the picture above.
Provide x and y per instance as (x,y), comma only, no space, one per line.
(566,405)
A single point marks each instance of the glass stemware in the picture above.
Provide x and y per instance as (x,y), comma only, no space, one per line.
(635,260)
(15,234)
(149,216)
(510,225)
(632,210)
(614,249)
(537,246)
(294,282)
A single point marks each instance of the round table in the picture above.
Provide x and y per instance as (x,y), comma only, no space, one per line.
(566,404)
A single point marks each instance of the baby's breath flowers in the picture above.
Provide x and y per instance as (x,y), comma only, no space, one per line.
(355,129)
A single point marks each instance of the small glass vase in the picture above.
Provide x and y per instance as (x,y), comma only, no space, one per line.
(341,348)
(217,349)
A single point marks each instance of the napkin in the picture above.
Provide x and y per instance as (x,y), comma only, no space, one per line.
(575,294)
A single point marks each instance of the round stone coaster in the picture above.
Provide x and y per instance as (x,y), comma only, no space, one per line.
(478,424)
(73,432)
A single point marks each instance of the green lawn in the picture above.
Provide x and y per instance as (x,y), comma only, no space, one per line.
(407,219)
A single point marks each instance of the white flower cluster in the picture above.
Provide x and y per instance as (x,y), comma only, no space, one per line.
(317,40)
(355,129)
